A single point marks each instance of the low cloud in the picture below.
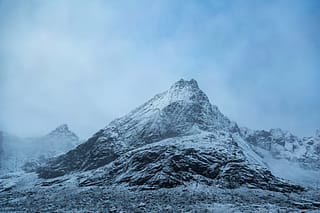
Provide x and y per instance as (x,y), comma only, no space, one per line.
(88,62)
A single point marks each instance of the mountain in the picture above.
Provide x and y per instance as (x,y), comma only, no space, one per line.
(173,139)
(176,152)
(58,141)
(285,154)
(28,153)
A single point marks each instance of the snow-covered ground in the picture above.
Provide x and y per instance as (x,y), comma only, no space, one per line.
(64,195)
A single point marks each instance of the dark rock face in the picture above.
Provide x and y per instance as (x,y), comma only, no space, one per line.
(170,165)
(86,156)
(174,138)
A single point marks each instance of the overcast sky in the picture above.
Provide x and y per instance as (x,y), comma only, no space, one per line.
(86,63)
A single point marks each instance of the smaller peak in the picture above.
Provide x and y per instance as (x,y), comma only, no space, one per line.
(63,131)
(317,133)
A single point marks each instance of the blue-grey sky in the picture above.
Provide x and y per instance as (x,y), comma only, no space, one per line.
(87,62)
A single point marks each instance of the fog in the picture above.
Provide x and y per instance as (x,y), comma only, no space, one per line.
(86,63)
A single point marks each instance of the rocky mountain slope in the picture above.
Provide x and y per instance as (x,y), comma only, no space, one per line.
(28,153)
(175,138)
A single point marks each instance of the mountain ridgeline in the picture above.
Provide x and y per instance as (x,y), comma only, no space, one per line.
(175,138)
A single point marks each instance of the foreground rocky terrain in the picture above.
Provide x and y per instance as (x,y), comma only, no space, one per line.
(65,195)
(175,153)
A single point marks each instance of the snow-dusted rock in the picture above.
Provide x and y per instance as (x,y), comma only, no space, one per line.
(182,110)
(204,158)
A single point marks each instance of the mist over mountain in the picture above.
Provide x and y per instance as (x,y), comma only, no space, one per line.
(27,153)
(239,132)
(90,62)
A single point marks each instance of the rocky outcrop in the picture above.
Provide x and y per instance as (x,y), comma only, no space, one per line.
(178,161)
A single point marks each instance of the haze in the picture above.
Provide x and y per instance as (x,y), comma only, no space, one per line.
(86,63)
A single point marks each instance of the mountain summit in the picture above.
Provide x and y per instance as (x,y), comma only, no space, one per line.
(187,91)
(180,110)
(63,133)
(178,136)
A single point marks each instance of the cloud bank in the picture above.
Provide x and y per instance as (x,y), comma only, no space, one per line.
(87,62)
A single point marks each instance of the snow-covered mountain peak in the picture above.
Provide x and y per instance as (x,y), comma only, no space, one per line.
(181,93)
(26,153)
(180,111)
(176,137)
(187,91)
(184,107)
(63,131)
